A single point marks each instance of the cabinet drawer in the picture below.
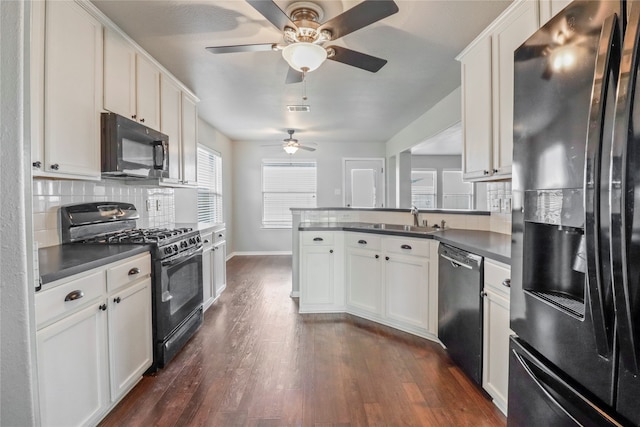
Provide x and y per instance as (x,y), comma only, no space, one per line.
(207,241)
(66,298)
(364,241)
(495,274)
(317,238)
(407,246)
(219,236)
(128,272)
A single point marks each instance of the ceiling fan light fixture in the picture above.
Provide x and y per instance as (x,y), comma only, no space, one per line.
(304,57)
(290,149)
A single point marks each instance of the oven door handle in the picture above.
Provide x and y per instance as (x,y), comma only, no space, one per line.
(180,258)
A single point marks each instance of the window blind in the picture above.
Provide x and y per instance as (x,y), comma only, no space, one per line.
(209,186)
(423,188)
(456,194)
(286,185)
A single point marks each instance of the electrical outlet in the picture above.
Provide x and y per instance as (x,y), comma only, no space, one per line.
(506,205)
(496,204)
(148,205)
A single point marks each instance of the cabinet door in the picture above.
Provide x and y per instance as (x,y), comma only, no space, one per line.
(219,267)
(550,8)
(73,90)
(208,289)
(189,139)
(521,23)
(495,378)
(364,281)
(119,75)
(72,369)
(170,98)
(130,336)
(407,289)
(147,93)
(317,275)
(476,110)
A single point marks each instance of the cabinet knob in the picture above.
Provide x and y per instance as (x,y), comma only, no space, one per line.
(134,116)
(37,164)
(483,294)
(331,251)
(117,300)
(72,296)
(142,120)
(134,271)
(486,172)
(495,171)
(386,258)
(377,256)
(506,283)
(55,166)
(102,307)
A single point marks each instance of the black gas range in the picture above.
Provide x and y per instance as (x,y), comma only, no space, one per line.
(176,256)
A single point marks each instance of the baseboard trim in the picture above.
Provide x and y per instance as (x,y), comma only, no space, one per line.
(251,253)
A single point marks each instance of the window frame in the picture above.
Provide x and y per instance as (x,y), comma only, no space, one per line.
(434,172)
(216,191)
(273,224)
(471,195)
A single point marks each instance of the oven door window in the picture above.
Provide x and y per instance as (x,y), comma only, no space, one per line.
(181,292)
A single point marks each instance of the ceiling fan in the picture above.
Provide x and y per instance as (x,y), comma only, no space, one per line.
(305,36)
(290,145)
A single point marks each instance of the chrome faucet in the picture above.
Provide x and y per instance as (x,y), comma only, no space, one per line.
(415,213)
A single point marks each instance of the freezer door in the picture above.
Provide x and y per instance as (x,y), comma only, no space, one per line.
(540,397)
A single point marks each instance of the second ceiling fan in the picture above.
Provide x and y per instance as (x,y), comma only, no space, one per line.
(305,36)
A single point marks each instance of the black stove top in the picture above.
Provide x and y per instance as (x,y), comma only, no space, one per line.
(147,236)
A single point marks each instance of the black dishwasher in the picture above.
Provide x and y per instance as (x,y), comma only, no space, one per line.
(460,276)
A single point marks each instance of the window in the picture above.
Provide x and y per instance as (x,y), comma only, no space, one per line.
(456,194)
(209,186)
(286,185)
(423,188)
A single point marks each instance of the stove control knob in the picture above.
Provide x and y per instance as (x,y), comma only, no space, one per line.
(175,248)
(167,250)
(183,244)
(198,239)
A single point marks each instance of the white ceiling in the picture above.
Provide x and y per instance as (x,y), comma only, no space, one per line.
(244,96)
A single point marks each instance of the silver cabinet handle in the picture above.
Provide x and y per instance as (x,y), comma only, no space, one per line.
(55,166)
(134,271)
(405,247)
(318,239)
(507,283)
(362,242)
(37,164)
(72,296)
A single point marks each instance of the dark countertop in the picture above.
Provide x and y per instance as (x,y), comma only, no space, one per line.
(492,245)
(58,262)
(435,211)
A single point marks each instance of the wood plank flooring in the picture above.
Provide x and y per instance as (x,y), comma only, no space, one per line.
(257,362)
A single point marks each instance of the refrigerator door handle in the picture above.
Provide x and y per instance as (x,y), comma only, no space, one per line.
(608,56)
(623,130)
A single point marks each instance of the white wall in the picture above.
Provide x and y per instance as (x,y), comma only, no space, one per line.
(249,236)
(186,199)
(17,332)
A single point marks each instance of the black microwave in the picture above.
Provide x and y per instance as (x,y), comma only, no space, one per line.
(130,149)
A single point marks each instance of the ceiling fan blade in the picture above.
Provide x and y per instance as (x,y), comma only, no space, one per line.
(273,13)
(361,15)
(357,59)
(293,76)
(241,48)
(303,147)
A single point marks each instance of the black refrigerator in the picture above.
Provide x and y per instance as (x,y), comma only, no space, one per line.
(575,288)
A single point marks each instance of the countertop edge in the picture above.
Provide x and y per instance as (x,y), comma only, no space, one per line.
(424,211)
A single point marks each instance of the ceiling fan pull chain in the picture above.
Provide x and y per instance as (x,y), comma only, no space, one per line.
(304,87)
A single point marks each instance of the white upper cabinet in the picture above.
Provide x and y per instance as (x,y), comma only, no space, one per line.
(550,8)
(131,82)
(189,139)
(476,110)
(70,140)
(521,23)
(487,92)
(170,120)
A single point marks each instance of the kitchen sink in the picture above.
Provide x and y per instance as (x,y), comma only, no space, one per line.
(406,228)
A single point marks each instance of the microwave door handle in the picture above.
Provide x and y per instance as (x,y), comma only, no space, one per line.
(608,56)
(620,150)
(159,154)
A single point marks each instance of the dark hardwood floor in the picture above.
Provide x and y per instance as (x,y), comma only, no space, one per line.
(257,362)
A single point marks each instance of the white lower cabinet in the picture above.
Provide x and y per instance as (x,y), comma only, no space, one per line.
(496,331)
(94,340)
(387,279)
(214,266)
(321,272)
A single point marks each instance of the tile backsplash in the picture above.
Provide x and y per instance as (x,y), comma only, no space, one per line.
(499,201)
(156,206)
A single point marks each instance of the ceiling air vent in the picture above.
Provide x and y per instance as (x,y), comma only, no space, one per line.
(298,108)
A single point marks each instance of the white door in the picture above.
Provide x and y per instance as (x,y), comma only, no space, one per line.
(364,183)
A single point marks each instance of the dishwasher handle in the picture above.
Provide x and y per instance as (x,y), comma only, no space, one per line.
(456,263)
